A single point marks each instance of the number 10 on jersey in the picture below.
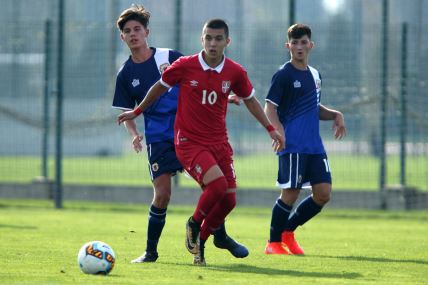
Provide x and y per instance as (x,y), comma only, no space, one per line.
(211,98)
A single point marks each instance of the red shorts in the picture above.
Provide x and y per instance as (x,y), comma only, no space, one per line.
(197,159)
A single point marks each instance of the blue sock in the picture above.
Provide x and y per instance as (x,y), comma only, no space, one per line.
(280,213)
(154,229)
(305,211)
(220,233)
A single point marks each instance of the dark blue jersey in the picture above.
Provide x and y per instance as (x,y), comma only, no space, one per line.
(132,84)
(297,94)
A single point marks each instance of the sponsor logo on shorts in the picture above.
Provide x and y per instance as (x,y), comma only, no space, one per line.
(155,166)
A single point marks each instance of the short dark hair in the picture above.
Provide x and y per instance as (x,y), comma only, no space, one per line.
(217,24)
(135,12)
(297,31)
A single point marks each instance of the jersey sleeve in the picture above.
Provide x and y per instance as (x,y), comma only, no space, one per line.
(277,88)
(243,87)
(174,55)
(122,98)
(172,74)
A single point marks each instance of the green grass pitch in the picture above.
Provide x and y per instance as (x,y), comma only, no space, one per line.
(39,245)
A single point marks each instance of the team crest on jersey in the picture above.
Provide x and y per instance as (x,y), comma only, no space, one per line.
(225,86)
(135,82)
(163,66)
(297,84)
(155,166)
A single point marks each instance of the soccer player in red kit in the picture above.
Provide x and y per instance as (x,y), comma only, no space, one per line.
(206,81)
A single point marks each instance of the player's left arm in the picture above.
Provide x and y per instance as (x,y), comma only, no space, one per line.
(253,105)
(339,127)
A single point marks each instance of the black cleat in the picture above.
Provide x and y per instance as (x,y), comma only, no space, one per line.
(192,236)
(148,256)
(236,249)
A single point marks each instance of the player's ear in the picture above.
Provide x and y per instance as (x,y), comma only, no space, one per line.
(122,37)
(147,31)
(287,45)
(311,44)
(228,40)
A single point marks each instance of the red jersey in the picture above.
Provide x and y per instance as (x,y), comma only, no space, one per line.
(202,100)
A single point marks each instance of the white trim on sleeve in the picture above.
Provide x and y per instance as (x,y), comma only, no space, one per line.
(164,83)
(270,101)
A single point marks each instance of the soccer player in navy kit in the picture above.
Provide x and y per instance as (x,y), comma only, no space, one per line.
(143,68)
(293,106)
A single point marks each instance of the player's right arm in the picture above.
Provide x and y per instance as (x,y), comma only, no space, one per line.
(170,77)
(272,114)
(152,95)
(131,126)
(123,101)
(273,98)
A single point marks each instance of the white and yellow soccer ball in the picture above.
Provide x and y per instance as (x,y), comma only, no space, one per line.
(96,257)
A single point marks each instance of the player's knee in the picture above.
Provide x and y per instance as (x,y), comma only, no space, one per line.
(289,196)
(217,186)
(322,198)
(161,199)
(229,200)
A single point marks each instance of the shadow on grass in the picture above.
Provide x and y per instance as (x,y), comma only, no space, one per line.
(18,227)
(251,269)
(378,215)
(374,259)
(245,268)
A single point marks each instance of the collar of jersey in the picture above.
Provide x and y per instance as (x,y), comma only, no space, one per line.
(206,67)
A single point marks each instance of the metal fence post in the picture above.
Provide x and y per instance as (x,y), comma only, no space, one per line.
(291,12)
(45,135)
(403,105)
(59,109)
(383,104)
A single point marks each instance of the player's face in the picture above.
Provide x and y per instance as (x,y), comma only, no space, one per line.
(299,48)
(134,34)
(214,42)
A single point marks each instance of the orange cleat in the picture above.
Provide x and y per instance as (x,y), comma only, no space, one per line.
(275,248)
(290,242)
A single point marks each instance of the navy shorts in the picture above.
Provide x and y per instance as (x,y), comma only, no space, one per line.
(162,159)
(297,170)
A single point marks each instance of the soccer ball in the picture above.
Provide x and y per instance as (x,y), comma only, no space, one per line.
(96,257)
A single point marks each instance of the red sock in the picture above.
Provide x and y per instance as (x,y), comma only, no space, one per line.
(217,215)
(213,192)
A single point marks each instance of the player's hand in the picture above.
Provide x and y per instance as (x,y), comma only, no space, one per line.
(278,141)
(339,128)
(136,143)
(233,99)
(126,116)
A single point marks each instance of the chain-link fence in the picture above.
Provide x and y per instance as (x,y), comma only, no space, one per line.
(351,53)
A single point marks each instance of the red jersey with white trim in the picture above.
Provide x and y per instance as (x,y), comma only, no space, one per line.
(202,101)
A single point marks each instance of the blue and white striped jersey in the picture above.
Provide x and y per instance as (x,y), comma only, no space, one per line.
(297,94)
(132,84)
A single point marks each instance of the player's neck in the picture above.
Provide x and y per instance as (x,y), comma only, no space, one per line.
(299,64)
(141,54)
(211,61)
